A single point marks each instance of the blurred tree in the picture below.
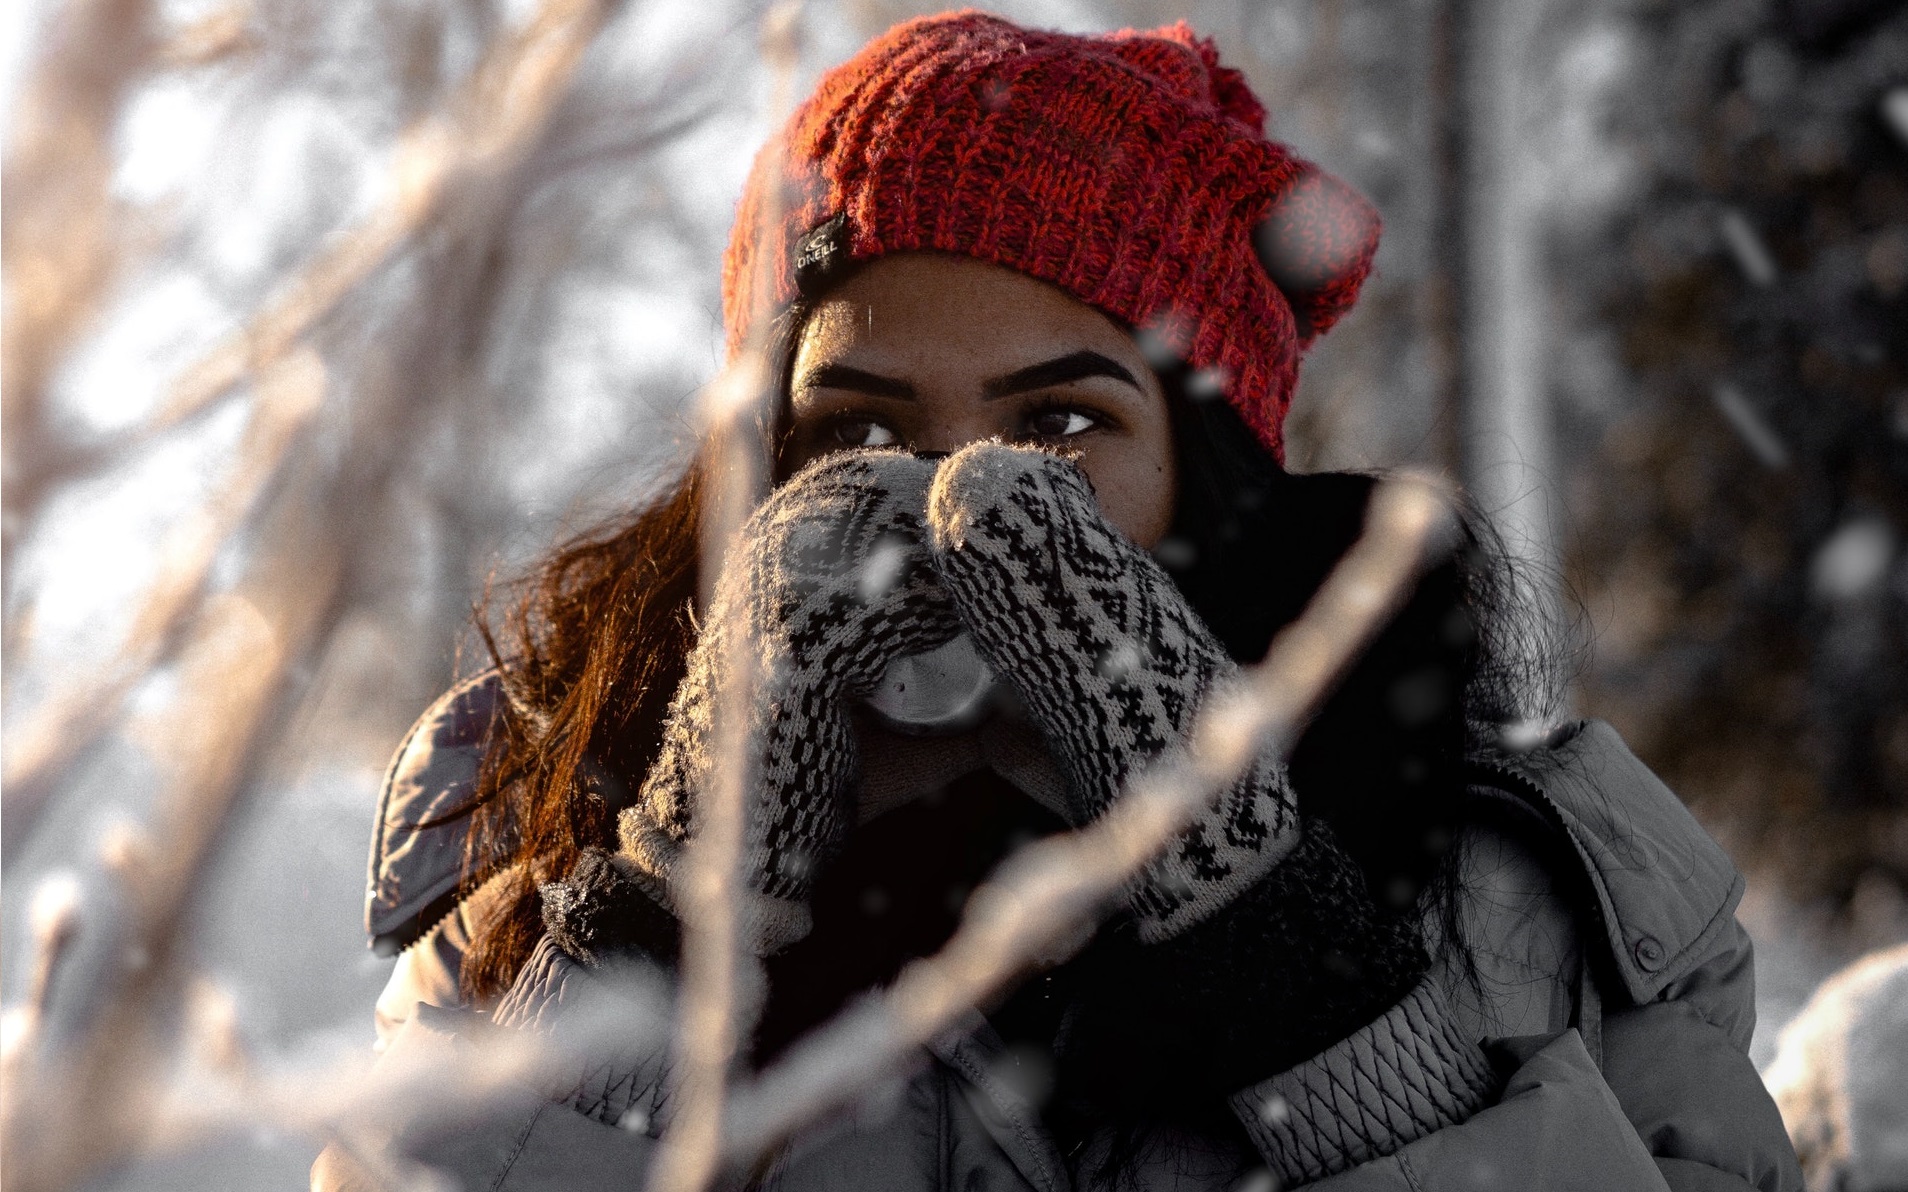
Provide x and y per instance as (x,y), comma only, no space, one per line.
(320,312)
(1740,513)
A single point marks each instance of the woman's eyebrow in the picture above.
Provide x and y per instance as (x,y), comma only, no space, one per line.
(854,380)
(1073,367)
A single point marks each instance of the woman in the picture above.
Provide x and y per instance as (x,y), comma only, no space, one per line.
(1037,304)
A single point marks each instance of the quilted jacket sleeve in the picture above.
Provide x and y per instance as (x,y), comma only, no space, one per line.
(1664,1098)
(1407,1104)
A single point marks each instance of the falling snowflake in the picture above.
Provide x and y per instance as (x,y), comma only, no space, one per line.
(1894,106)
(1751,426)
(1752,256)
(882,569)
(1854,561)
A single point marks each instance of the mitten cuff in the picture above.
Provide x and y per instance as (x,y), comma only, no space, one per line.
(606,907)
(1408,1074)
(652,860)
(1231,847)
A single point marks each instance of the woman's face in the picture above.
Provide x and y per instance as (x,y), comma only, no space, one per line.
(931,352)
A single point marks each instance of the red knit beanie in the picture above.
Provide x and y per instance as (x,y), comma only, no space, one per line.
(1130,170)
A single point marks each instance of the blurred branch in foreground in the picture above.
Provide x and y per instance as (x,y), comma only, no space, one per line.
(451,157)
(61,234)
(722,980)
(448,169)
(80,1085)
(71,720)
(90,1058)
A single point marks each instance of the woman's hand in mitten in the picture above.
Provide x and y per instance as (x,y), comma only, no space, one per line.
(829,583)
(1109,659)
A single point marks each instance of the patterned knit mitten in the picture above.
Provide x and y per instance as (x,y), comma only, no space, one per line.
(831,584)
(1108,657)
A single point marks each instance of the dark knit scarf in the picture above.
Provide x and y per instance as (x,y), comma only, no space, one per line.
(1166,1032)
(1138,1034)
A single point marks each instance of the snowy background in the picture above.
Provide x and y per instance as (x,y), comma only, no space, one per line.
(1642,288)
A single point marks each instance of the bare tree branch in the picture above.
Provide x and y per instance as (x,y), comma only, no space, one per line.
(74,718)
(721,984)
(722,981)
(448,168)
(448,158)
(218,35)
(86,1098)
(60,232)
(78,1097)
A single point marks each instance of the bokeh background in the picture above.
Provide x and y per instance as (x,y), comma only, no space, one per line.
(323,315)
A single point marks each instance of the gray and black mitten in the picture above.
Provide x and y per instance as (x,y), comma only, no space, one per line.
(1255,942)
(1110,660)
(830,583)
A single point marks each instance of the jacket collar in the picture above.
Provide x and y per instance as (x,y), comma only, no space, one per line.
(1663,889)
(975,1051)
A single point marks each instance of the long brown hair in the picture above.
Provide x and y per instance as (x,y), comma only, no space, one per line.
(592,647)
(589,648)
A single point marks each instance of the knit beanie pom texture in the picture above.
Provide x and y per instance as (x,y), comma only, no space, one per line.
(1130,170)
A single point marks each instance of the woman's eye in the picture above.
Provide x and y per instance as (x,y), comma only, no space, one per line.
(1060,422)
(861,432)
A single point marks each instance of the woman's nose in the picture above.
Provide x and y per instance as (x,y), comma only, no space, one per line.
(953,423)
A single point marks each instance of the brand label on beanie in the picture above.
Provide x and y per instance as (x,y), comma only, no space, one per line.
(821,254)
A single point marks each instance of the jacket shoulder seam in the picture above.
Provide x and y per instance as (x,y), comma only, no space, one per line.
(1409,1172)
(984,1081)
(523,1141)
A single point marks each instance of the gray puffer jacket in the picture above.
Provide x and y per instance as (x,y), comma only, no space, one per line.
(1602,1044)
